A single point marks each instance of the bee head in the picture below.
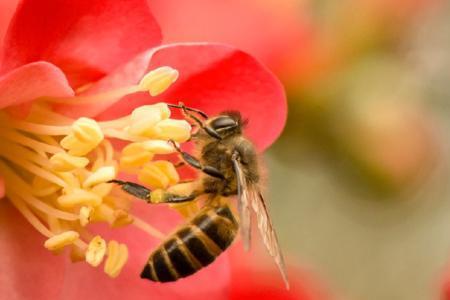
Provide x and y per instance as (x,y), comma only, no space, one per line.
(228,123)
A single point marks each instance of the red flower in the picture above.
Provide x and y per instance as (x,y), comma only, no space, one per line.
(85,59)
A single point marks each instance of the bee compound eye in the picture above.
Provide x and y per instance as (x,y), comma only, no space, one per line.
(223,123)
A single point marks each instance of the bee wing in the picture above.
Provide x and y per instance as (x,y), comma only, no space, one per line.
(243,204)
(267,231)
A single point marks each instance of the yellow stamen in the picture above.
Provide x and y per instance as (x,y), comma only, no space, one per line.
(145,118)
(96,251)
(117,256)
(121,218)
(134,155)
(79,197)
(157,146)
(169,170)
(153,176)
(83,138)
(56,169)
(102,175)
(177,130)
(61,240)
(158,80)
(85,215)
(64,162)
(102,189)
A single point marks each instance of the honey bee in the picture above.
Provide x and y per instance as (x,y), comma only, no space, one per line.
(228,164)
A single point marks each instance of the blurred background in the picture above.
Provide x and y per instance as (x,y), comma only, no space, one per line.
(358,182)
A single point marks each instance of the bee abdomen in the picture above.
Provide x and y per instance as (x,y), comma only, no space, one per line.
(192,247)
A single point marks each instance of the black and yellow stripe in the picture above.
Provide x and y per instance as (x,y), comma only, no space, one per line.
(194,246)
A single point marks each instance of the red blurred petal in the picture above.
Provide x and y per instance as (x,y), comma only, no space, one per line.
(28,270)
(7,8)
(255,277)
(209,283)
(269,29)
(2,187)
(213,78)
(85,38)
(32,81)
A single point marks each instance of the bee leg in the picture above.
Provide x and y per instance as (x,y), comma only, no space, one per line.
(194,162)
(186,111)
(144,193)
(134,189)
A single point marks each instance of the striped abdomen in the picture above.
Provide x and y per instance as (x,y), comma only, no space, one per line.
(192,247)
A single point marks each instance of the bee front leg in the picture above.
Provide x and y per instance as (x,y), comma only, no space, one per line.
(194,162)
(186,111)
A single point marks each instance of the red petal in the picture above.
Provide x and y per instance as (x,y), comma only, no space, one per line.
(32,81)
(254,276)
(2,187)
(29,271)
(7,8)
(277,32)
(85,38)
(209,283)
(212,78)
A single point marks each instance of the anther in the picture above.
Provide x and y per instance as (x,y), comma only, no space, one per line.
(64,162)
(61,240)
(96,251)
(85,135)
(158,80)
(158,147)
(79,197)
(134,155)
(117,256)
(145,118)
(102,175)
(85,215)
(177,130)
(159,174)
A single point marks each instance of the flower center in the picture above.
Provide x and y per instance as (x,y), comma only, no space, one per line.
(56,169)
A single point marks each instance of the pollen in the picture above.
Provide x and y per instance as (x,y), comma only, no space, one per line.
(57,170)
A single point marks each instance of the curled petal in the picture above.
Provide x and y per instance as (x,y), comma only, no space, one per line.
(29,271)
(213,78)
(32,81)
(85,38)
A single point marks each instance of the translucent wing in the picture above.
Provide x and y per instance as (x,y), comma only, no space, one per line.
(243,204)
(267,231)
(250,195)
